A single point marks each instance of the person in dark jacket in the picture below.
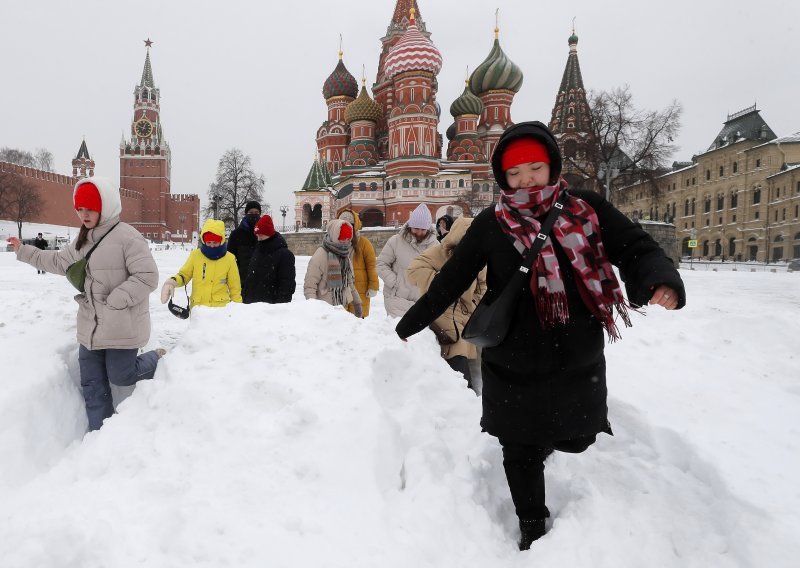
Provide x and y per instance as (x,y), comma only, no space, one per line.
(271,274)
(41,243)
(544,385)
(443,225)
(242,240)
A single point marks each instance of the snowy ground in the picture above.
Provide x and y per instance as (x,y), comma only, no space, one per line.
(296,435)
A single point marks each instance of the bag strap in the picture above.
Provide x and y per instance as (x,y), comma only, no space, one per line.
(541,237)
(100,240)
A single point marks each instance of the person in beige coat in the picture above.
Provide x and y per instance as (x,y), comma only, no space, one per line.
(450,324)
(329,276)
(113,307)
(416,236)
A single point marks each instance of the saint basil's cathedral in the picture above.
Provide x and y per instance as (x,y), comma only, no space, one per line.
(381,155)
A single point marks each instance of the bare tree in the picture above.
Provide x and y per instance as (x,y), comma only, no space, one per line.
(21,200)
(472,200)
(42,159)
(236,184)
(628,143)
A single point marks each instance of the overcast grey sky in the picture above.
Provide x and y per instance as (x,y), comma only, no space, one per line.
(249,74)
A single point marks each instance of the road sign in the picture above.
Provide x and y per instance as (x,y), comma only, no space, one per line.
(692,244)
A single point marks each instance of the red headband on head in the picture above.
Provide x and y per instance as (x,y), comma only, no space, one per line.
(522,151)
(209,237)
(87,195)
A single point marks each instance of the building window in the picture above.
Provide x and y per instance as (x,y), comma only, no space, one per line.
(734,200)
(362,186)
(461,183)
(394,184)
(447,184)
(693,205)
(735,167)
(758,162)
(757,215)
(405,184)
(373,186)
(798,187)
(708,174)
(720,202)
(686,208)
(756,196)
(694,181)
(415,183)
(707,204)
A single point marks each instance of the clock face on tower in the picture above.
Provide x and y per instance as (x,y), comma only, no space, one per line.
(143,128)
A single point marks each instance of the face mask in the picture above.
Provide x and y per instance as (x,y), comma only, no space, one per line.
(253,219)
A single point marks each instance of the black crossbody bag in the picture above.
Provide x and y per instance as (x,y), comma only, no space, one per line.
(489,323)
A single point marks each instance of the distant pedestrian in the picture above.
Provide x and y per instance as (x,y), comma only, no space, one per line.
(416,236)
(366,276)
(329,276)
(242,240)
(211,269)
(41,243)
(113,306)
(271,274)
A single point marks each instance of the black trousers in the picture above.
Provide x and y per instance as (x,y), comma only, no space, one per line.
(524,465)
(460,364)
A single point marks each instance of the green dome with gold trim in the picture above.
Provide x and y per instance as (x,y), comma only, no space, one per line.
(467,103)
(495,73)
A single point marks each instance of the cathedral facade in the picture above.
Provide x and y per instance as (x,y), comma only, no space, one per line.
(382,154)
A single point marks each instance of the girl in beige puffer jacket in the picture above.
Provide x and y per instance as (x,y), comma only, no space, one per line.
(113,308)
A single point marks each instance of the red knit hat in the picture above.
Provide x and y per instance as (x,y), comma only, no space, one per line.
(522,151)
(346,232)
(209,237)
(87,195)
(265,226)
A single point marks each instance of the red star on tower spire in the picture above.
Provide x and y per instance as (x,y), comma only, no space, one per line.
(148,42)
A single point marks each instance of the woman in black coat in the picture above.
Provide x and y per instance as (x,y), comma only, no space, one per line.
(544,386)
(271,273)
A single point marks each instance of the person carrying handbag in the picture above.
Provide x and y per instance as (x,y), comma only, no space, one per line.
(449,326)
(114,298)
(544,384)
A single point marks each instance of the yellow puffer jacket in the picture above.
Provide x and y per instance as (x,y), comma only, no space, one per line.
(215,282)
(364,272)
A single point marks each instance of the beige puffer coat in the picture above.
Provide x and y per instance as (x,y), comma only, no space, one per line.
(398,252)
(427,265)
(114,312)
(315,284)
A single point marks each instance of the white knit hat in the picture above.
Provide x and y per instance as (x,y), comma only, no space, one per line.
(420,218)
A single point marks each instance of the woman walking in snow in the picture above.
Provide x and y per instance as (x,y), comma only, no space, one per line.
(212,269)
(329,276)
(113,306)
(544,385)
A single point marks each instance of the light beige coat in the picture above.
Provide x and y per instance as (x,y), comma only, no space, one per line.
(398,252)
(421,272)
(114,311)
(315,284)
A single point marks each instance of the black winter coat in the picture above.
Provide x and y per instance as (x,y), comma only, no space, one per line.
(271,274)
(544,385)
(241,244)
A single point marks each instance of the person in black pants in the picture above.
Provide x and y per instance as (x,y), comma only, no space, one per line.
(271,274)
(41,243)
(544,385)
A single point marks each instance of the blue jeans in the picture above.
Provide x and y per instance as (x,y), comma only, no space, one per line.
(100,368)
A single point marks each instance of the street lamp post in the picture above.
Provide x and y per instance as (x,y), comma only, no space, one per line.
(284,210)
(182,219)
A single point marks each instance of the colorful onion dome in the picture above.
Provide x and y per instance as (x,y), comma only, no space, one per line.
(451,131)
(340,83)
(496,72)
(572,39)
(467,103)
(414,52)
(363,108)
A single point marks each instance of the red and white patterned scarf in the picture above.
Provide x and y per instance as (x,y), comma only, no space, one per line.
(577,230)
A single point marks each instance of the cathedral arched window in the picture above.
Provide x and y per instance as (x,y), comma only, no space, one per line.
(486,187)
(394,184)
(461,183)
(405,184)
(570,111)
(373,186)
(362,186)
(415,183)
(447,184)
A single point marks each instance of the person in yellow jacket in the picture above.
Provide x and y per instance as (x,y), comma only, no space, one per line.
(212,268)
(366,276)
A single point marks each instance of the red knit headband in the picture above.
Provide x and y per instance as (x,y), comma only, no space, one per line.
(522,151)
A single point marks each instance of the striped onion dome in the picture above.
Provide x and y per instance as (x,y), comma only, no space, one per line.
(467,103)
(363,108)
(496,72)
(340,83)
(414,52)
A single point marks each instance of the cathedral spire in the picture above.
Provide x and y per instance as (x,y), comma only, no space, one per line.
(571,111)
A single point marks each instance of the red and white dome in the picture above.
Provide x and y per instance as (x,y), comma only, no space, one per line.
(414,52)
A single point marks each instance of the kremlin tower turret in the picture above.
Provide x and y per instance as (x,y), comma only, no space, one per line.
(82,164)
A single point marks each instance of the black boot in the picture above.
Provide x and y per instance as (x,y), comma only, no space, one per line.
(530,531)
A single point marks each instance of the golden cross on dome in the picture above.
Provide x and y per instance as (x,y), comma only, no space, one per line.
(148,42)
(413,13)
(573,24)
(340,46)
(497,23)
